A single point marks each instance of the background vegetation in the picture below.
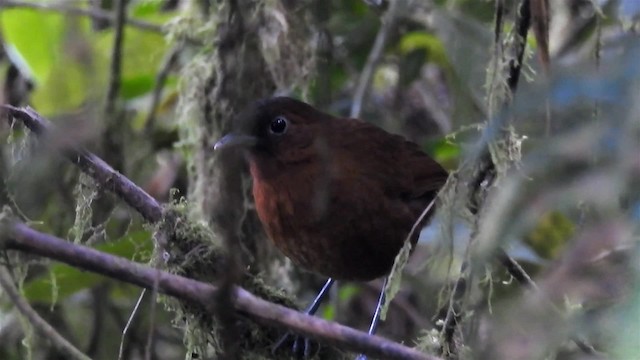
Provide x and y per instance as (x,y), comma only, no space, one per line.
(544,150)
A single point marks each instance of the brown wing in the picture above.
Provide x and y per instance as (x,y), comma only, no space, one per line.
(399,166)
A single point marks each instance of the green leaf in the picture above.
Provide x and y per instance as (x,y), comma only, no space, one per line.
(553,231)
(433,47)
(347,292)
(329,312)
(145,8)
(65,89)
(356,8)
(443,150)
(447,151)
(58,53)
(142,55)
(37,36)
(64,280)
(150,11)
(137,85)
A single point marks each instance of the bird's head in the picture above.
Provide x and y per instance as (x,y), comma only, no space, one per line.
(278,128)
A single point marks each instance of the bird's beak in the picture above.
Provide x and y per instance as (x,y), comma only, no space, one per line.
(233,140)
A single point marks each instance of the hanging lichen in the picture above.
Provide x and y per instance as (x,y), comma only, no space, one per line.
(85,193)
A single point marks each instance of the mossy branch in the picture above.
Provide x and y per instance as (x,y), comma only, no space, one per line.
(40,324)
(100,171)
(20,237)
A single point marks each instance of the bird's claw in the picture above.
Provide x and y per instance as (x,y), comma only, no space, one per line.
(302,346)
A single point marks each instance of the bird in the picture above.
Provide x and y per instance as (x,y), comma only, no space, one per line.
(338,196)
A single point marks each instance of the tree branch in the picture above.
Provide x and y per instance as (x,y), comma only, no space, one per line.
(22,238)
(100,171)
(169,61)
(514,269)
(449,348)
(388,21)
(40,324)
(25,239)
(523,23)
(116,61)
(114,119)
(486,168)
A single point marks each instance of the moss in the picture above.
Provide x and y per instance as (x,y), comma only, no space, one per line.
(192,250)
(248,52)
(85,193)
(18,264)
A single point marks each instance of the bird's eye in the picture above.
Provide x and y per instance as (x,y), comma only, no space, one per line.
(278,125)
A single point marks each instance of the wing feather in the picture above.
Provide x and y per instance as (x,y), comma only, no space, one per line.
(399,166)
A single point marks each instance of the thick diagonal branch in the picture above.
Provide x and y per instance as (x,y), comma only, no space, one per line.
(18,236)
(40,324)
(100,171)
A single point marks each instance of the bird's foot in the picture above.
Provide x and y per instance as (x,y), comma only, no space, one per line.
(302,348)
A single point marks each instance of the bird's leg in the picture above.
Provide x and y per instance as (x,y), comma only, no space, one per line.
(376,316)
(310,310)
(315,304)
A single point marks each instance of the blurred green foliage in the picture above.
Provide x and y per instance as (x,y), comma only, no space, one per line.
(551,234)
(70,62)
(62,281)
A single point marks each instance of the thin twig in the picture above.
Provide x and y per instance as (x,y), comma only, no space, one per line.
(113,141)
(151,337)
(100,171)
(523,23)
(485,172)
(22,238)
(161,79)
(388,21)
(514,269)
(98,298)
(160,242)
(116,61)
(449,348)
(485,169)
(133,341)
(76,11)
(41,325)
(403,305)
(522,277)
(132,316)
(498,58)
(400,262)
